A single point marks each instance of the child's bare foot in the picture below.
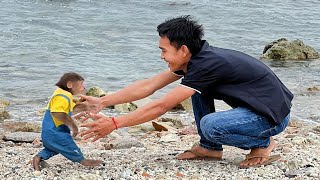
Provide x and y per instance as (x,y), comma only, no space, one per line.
(90,162)
(36,163)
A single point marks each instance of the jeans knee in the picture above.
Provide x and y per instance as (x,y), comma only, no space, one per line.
(210,129)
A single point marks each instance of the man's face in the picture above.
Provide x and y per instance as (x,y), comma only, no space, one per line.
(175,58)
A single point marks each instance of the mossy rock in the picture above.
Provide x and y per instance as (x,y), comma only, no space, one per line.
(4,103)
(4,115)
(96,92)
(282,49)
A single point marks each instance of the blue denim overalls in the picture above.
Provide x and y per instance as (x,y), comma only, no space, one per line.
(58,139)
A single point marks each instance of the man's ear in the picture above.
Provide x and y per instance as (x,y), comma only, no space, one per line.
(69,84)
(185,50)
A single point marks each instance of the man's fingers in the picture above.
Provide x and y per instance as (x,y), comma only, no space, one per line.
(88,131)
(95,116)
(77,116)
(93,130)
(83,98)
(89,125)
(82,116)
(87,136)
(97,137)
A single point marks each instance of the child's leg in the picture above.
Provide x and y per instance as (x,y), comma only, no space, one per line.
(42,155)
(71,151)
(36,162)
(64,144)
(46,153)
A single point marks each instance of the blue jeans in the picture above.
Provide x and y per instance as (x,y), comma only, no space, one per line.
(239,127)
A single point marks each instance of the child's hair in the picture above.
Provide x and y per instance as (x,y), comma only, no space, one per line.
(71,76)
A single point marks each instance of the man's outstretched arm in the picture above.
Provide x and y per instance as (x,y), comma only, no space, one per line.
(104,125)
(140,89)
(135,91)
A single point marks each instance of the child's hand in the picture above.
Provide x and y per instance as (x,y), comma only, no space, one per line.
(74,131)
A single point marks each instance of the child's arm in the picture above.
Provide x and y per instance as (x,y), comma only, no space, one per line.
(80,108)
(67,121)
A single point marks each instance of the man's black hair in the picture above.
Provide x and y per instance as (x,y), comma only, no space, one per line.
(182,31)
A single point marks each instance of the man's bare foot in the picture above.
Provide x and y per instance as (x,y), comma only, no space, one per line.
(90,162)
(200,152)
(36,163)
(258,155)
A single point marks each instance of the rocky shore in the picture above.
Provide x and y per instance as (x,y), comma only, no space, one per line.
(148,152)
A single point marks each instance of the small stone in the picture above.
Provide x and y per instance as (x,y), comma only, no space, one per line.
(317,129)
(146,175)
(37,173)
(170,138)
(290,135)
(44,164)
(178,174)
(287,149)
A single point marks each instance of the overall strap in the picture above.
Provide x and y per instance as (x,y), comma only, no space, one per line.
(66,97)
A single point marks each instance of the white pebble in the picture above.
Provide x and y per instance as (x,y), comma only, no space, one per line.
(37,173)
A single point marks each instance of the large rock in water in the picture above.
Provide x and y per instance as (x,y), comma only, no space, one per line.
(282,49)
(96,92)
(3,113)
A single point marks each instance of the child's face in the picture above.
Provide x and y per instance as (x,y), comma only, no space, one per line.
(77,87)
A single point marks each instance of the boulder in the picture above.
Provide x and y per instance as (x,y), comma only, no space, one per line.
(124,143)
(314,88)
(141,128)
(184,105)
(15,126)
(282,49)
(127,107)
(4,115)
(4,104)
(96,92)
(175,121)
(22,136)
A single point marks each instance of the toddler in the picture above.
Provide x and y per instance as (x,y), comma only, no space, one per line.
(58,128)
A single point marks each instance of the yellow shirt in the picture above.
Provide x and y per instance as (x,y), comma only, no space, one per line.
(60,104)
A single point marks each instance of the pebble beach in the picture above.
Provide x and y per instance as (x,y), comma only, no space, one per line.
(114,43)
(151,155)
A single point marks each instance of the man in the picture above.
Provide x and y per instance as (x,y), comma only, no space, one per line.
(261,103)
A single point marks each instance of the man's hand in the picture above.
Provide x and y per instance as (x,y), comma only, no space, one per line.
(82,116)
(101,127)
(93,103)
(79,107)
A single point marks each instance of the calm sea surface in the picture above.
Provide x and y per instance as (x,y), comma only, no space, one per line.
(113,43)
